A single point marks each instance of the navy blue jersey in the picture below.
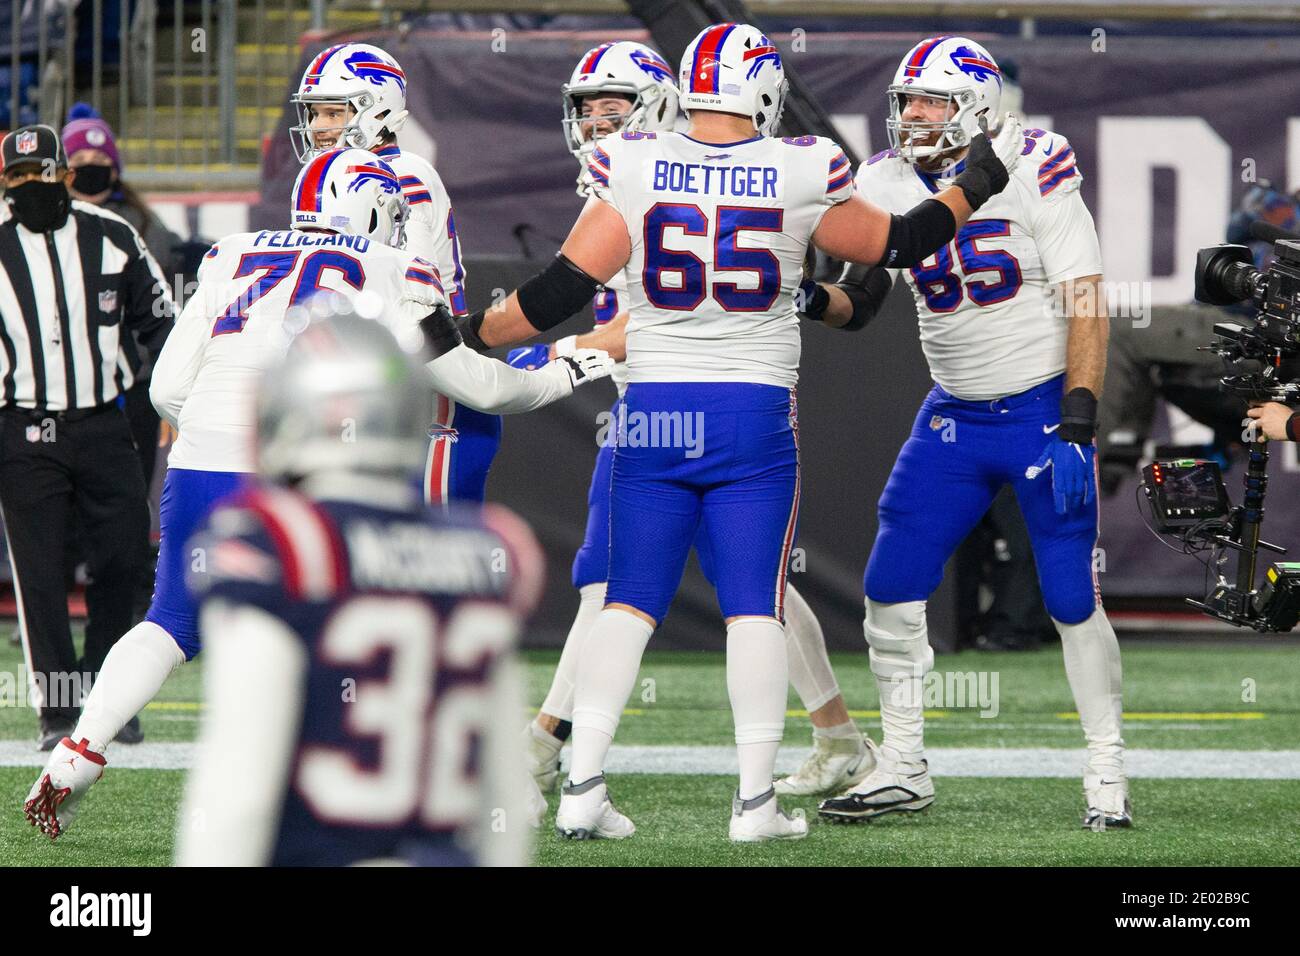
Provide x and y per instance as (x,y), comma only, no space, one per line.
(403,612)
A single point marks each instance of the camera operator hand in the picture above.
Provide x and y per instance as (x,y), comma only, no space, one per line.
(1276,421)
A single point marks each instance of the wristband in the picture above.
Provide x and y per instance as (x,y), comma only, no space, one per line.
(1078,417)
(566,346)
(815,299)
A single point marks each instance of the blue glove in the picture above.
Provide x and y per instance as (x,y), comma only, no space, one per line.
(529,357)
(1074,481)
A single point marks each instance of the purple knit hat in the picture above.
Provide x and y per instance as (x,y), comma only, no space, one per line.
(86,129)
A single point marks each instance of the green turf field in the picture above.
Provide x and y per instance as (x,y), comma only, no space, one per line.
(1178,698)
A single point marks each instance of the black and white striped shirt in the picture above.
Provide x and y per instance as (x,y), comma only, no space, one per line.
(65,296)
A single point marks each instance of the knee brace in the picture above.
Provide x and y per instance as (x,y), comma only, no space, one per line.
(897,638)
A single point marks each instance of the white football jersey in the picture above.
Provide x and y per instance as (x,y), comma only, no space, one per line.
(991,323)
(431,225)
(718,233)
(233,328)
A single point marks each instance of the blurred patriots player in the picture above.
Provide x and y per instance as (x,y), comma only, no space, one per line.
(332,572)
(354,94)
(1014,330)
(712,226)
(347,204)
(628,87)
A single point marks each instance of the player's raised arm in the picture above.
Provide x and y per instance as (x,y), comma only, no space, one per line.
(597,247)
(859,231)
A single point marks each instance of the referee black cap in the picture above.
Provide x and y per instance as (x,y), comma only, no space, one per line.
(32,144)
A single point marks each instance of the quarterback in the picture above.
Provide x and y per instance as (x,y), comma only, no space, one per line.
(1014,331)
(354,94)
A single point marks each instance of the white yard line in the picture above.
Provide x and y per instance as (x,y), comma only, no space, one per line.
(944,761)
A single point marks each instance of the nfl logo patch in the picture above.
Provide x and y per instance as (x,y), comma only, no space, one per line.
(33,433)
(26,142)
(108,300)
(936,423)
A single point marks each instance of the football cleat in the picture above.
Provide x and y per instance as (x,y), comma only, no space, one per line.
(586,813)
(835,765)
(891,788)
(543,754)
(761,818)
(52,802)
(1109,807)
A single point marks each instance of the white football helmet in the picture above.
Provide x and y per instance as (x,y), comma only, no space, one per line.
(357,75)
(342,372)
(734,68)
(623,67)
(956,70)
(351,191)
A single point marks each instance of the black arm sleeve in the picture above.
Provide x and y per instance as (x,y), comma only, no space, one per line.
(867,288)
(555,293)
(441,334)
(468,326)
(919,232)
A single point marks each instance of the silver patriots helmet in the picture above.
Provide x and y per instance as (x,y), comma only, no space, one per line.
(345,398)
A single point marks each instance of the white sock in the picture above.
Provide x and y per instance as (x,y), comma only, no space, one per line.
(900,658)
(1092,666)
(810,668)
(607,670)
(757,676)
(134,671)
(839,731)
(559,700)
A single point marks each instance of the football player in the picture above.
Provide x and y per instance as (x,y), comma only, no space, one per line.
(332,574)
(1014,330)
(712,226)
(354,94)
(347,203)
(626,86)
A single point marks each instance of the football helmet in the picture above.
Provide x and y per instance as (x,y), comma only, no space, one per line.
(956,70)
(351,191)
(344,398)
(734,68)
(624,67)
(357,75)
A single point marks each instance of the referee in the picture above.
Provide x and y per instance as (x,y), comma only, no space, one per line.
(73,279)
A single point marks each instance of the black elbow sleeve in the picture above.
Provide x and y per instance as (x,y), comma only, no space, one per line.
(555,293)
(441,333)
(867,288)
(918,233)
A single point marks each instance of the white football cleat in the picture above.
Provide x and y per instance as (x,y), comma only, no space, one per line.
(1109,807)
(892,787)
(835,765)
(761,818)
(586,813)
(543,755)
(52,802)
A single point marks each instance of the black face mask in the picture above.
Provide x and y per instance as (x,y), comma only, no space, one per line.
(38,205)
(93,180)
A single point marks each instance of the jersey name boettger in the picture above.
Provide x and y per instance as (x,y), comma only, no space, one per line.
(703,179)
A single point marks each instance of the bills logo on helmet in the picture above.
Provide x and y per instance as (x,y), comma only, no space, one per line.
(975,65)
(759,55)
(366,66)
(652,64)
(386,178)
(26,142)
